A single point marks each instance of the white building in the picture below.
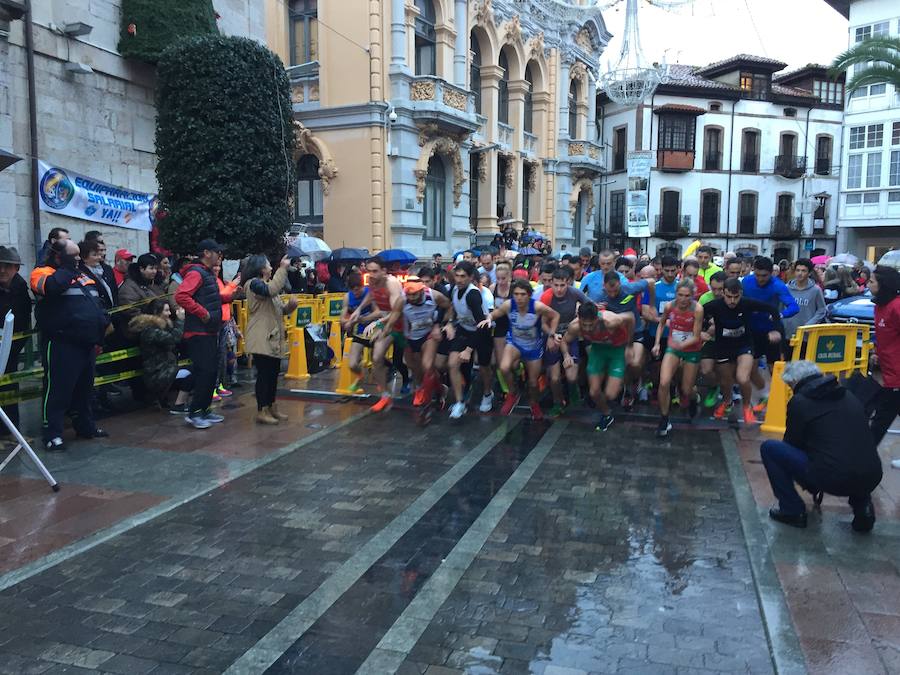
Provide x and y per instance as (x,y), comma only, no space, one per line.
(95,111)
(870,154)
(742,158)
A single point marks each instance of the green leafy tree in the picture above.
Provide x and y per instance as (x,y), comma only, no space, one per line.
(224,138)
(150,26)
(884,55)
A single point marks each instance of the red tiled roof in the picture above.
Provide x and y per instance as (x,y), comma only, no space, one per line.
(720,66)
(680,108)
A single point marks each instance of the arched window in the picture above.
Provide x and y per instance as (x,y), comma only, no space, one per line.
(710,205)
(475,72)
(435,205)
(426,51)
(750,151)
(308,206)
(529,103)
(503,107)
(747,203)
(712,148)
(823,155)
(573,109)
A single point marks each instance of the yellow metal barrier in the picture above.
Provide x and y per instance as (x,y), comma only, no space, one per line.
(831,346)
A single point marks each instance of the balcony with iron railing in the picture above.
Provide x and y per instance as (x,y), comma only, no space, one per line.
(712,161)
(786,227)
(672,227)
(304,79)
(435,100)
(790,166)
(823,166)
(750,164)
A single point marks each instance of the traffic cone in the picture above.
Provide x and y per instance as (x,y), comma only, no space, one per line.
(334,343)
(297,369)
(346,377)
(776,410)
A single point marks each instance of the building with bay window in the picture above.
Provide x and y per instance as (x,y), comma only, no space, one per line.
(431,124)
(744,156)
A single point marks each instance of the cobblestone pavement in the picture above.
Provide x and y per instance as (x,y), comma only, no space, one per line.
(490,546)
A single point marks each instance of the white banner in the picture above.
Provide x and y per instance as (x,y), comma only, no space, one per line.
(72,194)
(637,198)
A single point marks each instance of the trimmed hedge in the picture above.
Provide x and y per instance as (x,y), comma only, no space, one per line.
(225,141)
(161,23)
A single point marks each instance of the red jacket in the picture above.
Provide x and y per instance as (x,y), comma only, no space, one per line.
(887,341)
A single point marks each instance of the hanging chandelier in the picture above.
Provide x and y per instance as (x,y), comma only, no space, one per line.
(632,79)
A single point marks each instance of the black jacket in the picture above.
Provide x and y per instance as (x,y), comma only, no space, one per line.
(17,300)
(829,423)
(68,306)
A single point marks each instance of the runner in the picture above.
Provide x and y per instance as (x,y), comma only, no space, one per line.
(690,269)
(564,300)
(684,318)
(355,327)
(606,335)
(467,340)
(386,293)
(731,315)
(529,322)
(423,335)
(502,291)
(707,352)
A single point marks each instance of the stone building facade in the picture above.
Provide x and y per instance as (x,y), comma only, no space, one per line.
(429,124)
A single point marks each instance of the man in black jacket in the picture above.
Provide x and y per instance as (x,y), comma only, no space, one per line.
(13,298)
(827,447)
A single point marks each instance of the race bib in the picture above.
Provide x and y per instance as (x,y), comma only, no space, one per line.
(733,332)
(422,324)
(523,334)
(681,336)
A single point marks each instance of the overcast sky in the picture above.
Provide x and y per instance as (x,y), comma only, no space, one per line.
(795,31)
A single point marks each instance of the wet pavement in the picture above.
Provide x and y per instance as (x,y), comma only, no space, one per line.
(344,543)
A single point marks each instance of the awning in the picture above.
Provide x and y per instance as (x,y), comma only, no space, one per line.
(679,108)
(7,159)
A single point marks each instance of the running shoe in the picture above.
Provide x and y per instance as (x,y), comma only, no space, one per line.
(676,400)
(510,402)
(384,403)
(213,418)
(664,427)
(487,403)
(197,421)
(355,385)
(536,412)
(749,416)
(216,398)
(711,397)
(628,401)
(457,410)
(604,422)
(179,409)
(223,392)
(556,411)
(723,410)
(419,397)
(761,406)
(736,394)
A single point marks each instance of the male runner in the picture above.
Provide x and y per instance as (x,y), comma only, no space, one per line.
(607,334)
(690,269)
(707,267)
(665,292)
(423,335)
(564,300)
(355,327)
(707,352)
(732,317)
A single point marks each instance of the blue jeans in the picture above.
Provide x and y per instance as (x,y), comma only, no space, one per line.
(786,465)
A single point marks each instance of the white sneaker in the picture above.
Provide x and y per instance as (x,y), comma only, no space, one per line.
(895,463)
(487,402)
(736,393)
(457,410)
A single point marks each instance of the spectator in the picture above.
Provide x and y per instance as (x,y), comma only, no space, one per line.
(108,274)
(199,295)
(164,270)
(265,331)
(862,279)
(175,280)
(123,259)
(839,284)
(72,324)
(337,278)
(13,298)
(92,265)
(827,447)
(885,287)
(139,285)
(228,334)
(585,254)
(809,299)
(437,261)
(56,234)
(159,338)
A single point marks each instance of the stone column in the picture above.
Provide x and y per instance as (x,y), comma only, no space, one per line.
(564,99)
(517,90)
(490,99)
(591,134)
(398,35)
(462,44)
(487,199)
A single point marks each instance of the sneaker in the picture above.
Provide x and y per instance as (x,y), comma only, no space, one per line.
(712,397)
(864,518)
(419,397)
(179,409)
(664,427)
(536,412)
(384,403)
(604,422)
(792,519)
(511,401)
(213,418)
(223,392)
(55,445)
(216,398)
(761,406)
(457,410)
(197,421)
(487,403)
(722,411)
(676,401)
(736,393)
(556,411)
(355,385)
(749,416)
(627,401)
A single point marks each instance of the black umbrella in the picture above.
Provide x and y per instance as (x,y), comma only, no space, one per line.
(7,159)
(349,254)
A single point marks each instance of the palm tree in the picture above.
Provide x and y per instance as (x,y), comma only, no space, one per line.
(883,53)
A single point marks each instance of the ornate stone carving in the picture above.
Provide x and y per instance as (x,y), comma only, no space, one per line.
(481,166)
(579,72)
(455,99)
(484,14)
(448,148)
(593,152)
(583,40)
(532,173)
(536,46)
(327,172)
(423,90)
(582,184)
(428,131)
(297,94)
(308,144)
(576,149)
(314,92)
(510,165)
(512,32)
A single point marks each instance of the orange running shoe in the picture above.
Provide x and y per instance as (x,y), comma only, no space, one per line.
(536,412)
(384,403)
(723,410)
(761,406)
(749,417)
(419,397)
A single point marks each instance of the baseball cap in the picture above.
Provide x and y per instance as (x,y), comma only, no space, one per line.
(124,254)
(413,285)
(520,274)
(208,245)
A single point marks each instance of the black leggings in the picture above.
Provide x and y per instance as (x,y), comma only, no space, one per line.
(267,368)
(886,410)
